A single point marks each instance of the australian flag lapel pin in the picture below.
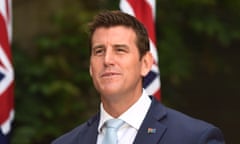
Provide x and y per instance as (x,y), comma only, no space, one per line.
(151,130)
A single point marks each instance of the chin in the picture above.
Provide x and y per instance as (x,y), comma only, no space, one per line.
(109,92)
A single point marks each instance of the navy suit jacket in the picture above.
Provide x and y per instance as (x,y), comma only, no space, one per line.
(161,125)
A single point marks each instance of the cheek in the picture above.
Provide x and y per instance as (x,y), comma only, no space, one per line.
(93,72)
(90,70)
(93,69)
(134,68)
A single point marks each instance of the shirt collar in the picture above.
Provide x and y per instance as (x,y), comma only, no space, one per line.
(134,116)
(104,116)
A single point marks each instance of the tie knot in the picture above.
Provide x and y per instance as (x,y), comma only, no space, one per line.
(114,123)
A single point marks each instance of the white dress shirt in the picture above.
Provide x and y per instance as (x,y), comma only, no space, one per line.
(133,119)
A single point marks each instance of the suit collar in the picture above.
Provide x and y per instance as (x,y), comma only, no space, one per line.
(152,129)
(90,132)
(94,119)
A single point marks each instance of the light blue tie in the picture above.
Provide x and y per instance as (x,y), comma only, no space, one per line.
(111,127)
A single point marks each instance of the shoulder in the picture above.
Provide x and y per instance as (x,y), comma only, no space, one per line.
(191,129)
(183,128)
(178,119)
(71,136)
(79,133)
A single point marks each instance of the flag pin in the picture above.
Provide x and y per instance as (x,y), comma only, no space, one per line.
(151,130)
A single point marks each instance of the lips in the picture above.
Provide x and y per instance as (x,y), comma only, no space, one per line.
(110,74)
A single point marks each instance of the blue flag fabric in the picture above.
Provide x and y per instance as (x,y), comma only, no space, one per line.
(4,139)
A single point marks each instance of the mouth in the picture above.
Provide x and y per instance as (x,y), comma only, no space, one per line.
(109,74)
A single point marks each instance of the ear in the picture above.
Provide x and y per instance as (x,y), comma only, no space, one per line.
(147,62)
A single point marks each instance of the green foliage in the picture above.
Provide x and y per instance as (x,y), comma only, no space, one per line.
(189,32)
(53,89)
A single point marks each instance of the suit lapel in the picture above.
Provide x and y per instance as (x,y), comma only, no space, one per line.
(91,132)
(152,129)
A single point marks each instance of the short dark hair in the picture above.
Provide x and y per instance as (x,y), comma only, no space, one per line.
(117,18)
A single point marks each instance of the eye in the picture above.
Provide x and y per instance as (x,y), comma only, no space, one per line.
(98,51)
(121,49)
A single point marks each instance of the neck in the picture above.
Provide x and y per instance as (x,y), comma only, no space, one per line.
(116,107)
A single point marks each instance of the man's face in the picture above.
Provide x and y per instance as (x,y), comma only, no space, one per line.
(115,64)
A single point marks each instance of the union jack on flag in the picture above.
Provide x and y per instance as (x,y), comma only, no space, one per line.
(144,11)
(6,71)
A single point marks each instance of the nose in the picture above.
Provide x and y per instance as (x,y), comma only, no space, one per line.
(108,57)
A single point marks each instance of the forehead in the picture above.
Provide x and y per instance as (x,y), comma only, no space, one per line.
(115,33)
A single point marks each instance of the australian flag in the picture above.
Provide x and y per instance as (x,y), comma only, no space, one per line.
(144,11)
(6,72)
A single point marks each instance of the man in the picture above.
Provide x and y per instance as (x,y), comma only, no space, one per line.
(120,58)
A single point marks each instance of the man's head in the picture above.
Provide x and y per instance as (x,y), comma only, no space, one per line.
(117,18)
(120,56)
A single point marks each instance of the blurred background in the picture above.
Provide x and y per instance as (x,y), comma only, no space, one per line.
(199,60)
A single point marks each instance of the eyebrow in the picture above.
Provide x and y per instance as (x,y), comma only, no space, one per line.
(121,45)
(114,45)
(98,46)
